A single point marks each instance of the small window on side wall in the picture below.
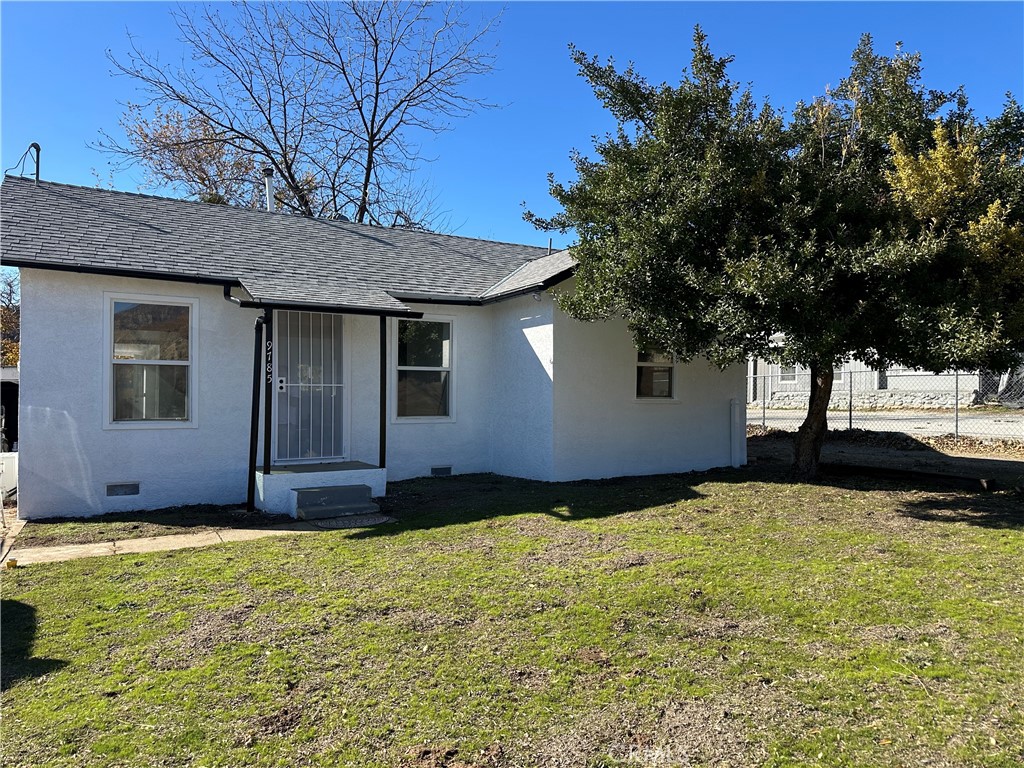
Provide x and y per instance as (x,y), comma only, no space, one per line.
(424,369)
(787,374)
(655,375)
(151,358)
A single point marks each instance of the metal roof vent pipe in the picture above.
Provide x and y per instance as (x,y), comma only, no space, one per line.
(268,174)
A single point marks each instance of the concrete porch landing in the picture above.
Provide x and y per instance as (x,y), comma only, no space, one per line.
(277,492)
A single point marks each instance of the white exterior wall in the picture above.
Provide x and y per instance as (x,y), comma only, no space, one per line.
(521,389)
(461,442)
(602,430)
(362,338)
(68,452)
(535,394)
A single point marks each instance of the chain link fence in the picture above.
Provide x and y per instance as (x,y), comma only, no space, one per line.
(978,405)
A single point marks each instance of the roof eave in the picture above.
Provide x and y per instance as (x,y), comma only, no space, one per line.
(140,274)
(227,283)
(543,285)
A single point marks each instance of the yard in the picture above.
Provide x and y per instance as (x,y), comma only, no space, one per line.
(725,618)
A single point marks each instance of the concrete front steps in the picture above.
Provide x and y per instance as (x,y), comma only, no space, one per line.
(333,501)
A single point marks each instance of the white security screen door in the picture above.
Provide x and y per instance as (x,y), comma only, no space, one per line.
(310,392)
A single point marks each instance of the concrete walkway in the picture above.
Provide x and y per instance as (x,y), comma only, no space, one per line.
(31,555)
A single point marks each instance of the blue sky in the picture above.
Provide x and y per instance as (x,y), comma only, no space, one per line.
(57,88)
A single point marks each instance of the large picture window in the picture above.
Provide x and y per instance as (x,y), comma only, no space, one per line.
(654,375)
(151,357)
(424,352)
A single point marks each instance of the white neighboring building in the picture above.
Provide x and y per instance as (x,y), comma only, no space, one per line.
(183,353)
(894,388)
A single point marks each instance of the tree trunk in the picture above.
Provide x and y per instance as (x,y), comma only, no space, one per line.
(364,196)
(811,435)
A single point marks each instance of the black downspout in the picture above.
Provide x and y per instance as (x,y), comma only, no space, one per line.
(383,441)
(268,390)
(254,421)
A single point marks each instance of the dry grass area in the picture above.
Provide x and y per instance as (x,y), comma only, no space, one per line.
(140,525)
(728,618)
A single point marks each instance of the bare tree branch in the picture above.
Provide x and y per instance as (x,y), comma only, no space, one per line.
(336,98)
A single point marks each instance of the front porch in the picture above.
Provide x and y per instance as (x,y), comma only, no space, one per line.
(315,463)
(285,489)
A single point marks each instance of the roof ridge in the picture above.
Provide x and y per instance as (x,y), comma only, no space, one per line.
(260,211)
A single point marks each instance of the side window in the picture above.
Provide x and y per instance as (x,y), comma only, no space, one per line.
(787,374)
(151,357)
(655,375)
(424,362)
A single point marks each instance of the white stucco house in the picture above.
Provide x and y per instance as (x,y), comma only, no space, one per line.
(180,353)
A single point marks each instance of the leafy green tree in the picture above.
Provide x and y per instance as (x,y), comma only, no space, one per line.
(717,228)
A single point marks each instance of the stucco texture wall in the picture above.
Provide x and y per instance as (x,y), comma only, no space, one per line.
(521,390)
(601,429)
(69,453)
(534,394)
(461,442)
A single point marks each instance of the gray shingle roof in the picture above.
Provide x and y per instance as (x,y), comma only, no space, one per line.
(276,258)
(533,274)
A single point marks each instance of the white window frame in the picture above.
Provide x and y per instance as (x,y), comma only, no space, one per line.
(839,375)
(674,365)
(788,378)
(192,302)
(393,370)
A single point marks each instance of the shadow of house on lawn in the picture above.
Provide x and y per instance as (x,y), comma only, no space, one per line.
(427,503)
(17,637)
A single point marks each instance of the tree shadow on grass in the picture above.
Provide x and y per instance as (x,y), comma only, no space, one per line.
(438,502)
(999,510)
(429,503)
(959,498)
(17,636)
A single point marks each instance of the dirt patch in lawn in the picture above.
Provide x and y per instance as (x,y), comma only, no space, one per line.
(448,756)
(715,730)
(209,629)
(566,548)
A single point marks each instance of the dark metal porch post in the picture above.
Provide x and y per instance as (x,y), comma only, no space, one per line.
(254,420)
(268,389)
(383,441)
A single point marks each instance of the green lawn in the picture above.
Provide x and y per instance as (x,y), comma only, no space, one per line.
(727,618)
